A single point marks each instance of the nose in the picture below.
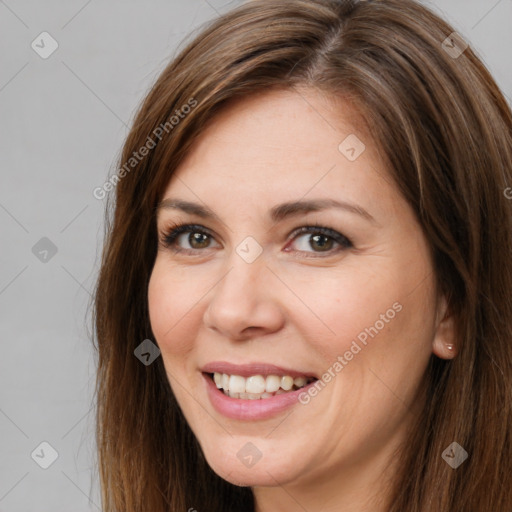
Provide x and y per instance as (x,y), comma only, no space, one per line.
(244,303)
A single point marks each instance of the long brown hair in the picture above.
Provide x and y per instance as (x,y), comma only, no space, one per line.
(445,129)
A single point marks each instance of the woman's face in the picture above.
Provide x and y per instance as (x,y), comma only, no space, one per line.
(351,302)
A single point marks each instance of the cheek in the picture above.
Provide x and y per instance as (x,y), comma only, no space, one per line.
(337,307)
(171,304)
(371,311)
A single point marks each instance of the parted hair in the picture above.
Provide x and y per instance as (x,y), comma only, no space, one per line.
(444,128)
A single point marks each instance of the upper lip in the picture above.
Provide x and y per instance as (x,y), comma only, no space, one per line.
(246,370)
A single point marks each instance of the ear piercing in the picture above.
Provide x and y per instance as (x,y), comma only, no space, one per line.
(449,346)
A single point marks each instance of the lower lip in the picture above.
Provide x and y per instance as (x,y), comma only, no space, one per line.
(251,410)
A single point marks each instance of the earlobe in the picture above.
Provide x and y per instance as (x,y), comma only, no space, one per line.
(443,345)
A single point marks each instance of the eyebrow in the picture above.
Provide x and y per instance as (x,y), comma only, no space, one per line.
(277,213)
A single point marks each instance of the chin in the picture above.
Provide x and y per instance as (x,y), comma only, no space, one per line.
(248,466)
(258,475)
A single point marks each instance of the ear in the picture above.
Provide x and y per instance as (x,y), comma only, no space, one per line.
(443,345)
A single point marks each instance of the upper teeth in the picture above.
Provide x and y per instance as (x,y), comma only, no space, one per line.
(257,383)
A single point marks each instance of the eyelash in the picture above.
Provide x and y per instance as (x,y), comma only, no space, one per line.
(169,236)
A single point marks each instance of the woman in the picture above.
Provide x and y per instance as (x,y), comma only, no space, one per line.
(311,224)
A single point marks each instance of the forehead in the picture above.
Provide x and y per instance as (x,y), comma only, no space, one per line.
(292,123)
(278,146)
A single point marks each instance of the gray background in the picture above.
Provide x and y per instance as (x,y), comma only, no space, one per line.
(63,120)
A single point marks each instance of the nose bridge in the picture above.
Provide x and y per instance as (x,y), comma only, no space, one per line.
(242,298)
(246,268)
(242,282)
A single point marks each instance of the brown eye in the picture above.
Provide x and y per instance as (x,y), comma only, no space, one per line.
(322,241)
(317,239)
(178,237)
(198,240)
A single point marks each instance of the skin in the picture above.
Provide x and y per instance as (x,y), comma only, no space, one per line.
(296,305)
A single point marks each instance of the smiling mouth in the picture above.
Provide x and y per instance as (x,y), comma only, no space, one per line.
(258,387)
